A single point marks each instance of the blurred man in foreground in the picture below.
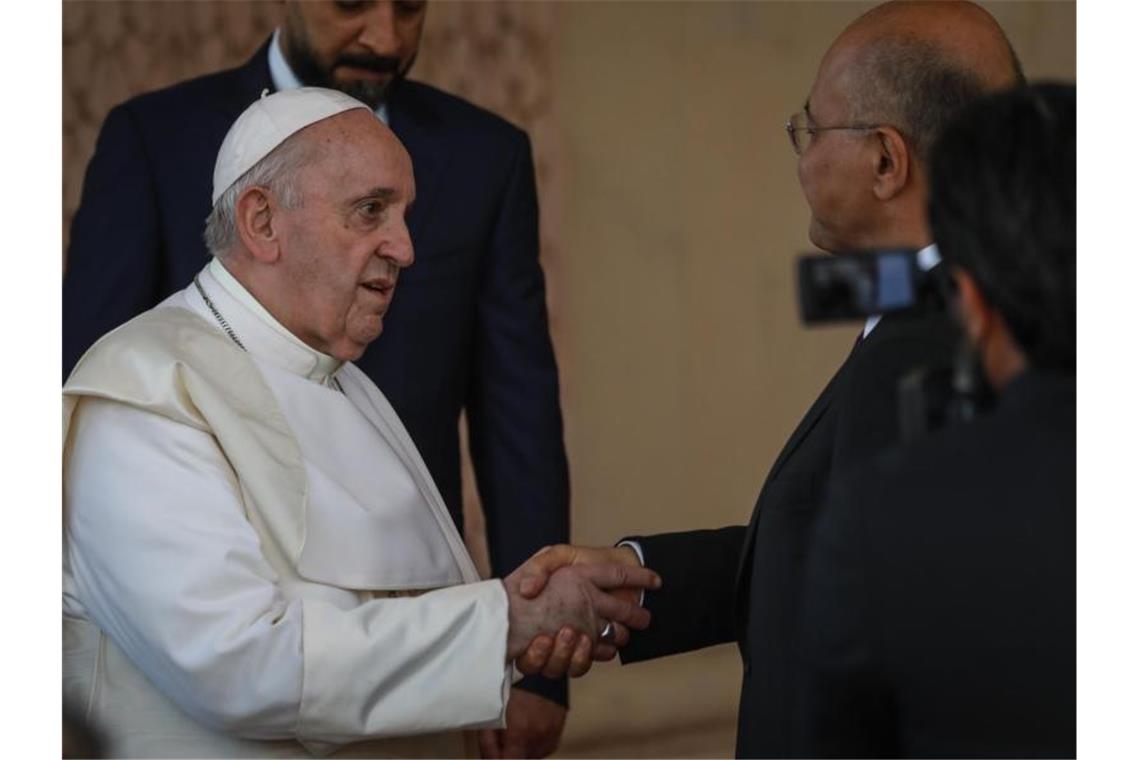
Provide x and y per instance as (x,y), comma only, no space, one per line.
(939,611)
(257,561)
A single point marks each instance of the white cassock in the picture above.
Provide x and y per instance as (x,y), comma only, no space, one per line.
(248,536)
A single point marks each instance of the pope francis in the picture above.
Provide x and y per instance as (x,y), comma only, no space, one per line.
(256,560)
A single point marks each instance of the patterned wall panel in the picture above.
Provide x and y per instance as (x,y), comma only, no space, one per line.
(495,54)
(113,50)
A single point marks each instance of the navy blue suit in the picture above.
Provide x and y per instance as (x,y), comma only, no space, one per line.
(467,328)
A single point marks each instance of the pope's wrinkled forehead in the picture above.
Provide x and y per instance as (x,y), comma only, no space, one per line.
(355,149)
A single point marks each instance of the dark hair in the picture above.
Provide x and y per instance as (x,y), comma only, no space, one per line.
(1003,204)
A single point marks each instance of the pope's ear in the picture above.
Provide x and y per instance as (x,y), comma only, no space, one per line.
(892,162)
(974,313)
(257,216)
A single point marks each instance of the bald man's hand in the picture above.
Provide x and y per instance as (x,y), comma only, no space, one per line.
(545,561)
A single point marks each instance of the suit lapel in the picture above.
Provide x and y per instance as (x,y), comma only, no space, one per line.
(807,424)
(252,79)
(415,123)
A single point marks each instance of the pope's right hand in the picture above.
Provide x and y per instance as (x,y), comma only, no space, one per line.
(557,624)
(567,653)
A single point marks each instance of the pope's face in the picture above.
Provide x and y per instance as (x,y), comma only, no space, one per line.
(360,48)
(343,248)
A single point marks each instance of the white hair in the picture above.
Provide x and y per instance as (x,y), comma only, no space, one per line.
(276,172)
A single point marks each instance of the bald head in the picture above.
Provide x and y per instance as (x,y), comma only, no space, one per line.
(963,33)
(913,64)
(889,84)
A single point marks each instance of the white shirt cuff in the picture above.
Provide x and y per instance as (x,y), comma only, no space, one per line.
(641,559)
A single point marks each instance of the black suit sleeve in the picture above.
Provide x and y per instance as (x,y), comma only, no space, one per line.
(114,255)
(841,703)
(694,607)
(514,420)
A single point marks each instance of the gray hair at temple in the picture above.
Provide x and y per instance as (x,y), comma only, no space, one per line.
(277,172)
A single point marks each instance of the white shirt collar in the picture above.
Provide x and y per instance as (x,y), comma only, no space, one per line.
(259,332)
(928,258)
(870,324)
(284,79)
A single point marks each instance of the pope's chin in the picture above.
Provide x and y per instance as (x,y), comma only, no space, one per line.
(357,337)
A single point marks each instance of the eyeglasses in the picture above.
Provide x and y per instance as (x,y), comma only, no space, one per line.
(797,123)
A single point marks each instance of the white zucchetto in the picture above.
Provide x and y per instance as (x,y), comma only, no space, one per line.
(270,121)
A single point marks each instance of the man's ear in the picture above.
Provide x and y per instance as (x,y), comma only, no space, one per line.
(892,163)
(257,217)
(974,313)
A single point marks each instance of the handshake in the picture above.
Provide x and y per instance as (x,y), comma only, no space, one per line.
(570,606)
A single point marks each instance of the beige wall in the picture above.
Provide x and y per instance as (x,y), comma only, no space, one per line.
(671,216)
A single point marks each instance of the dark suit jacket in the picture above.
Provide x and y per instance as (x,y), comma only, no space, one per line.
(742,584)
(467,328)
(939,611)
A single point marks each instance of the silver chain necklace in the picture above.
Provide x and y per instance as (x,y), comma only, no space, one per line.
(333,381)
(218,315)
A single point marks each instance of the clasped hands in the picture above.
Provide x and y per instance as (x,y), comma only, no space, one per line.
(561,599)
